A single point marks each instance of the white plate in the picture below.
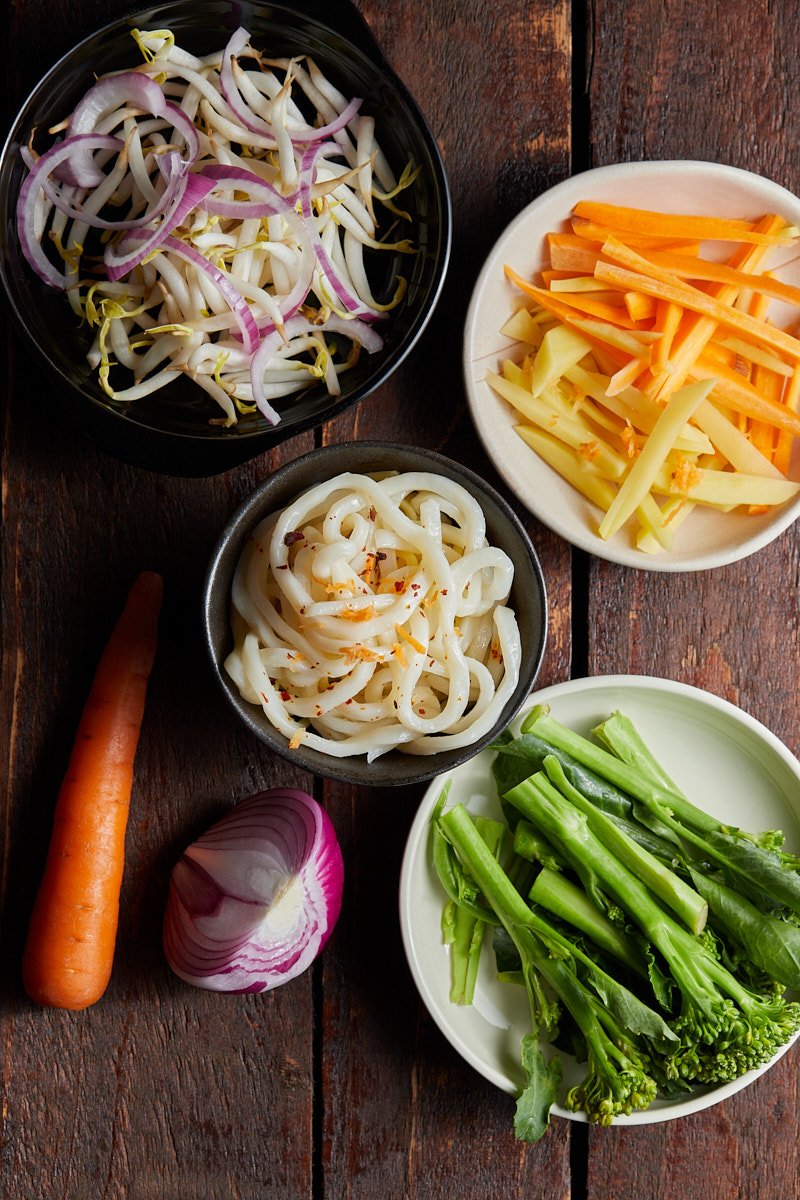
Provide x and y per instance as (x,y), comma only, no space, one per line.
(708,539)
(721,757)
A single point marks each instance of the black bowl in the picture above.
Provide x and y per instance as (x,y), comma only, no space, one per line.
(170,431)
(503,529)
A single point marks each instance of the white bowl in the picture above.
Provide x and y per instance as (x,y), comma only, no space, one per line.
(707,539)
(717,754)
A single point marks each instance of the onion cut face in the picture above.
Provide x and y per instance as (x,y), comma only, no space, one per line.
(254,900)
(191,207)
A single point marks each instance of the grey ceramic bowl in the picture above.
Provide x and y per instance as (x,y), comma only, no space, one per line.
(528,599)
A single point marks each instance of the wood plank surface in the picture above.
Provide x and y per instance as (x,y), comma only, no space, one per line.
(339,1084)
(668,81)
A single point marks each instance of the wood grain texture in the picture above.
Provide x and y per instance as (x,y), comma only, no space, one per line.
(665,84)
(339,1084)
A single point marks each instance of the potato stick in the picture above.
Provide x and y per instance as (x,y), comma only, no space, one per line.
(677,226)
(704,304)
(674,512)
(637,484)
(686,267)
(732,443)
(573,431)
(561,348)
(729,487)
(632,405)
(651,519)
(569,465)
(559,282)
(522,328)
(753,354)
(735,392)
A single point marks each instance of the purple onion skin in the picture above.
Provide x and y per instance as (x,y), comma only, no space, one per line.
(222,892)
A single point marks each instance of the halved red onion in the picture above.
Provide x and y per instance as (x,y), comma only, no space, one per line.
(254,900)
(29,193)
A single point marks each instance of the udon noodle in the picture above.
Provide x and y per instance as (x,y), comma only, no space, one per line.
(371,614)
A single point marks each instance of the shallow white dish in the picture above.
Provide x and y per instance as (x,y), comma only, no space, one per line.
(722,758)
(707,539)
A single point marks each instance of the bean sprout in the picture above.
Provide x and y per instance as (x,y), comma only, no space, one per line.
(230,187)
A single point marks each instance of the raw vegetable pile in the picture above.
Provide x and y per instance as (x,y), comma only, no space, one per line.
(209,217)
(653,377)
(654,942)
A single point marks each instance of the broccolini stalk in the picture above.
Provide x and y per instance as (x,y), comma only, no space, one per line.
(617,1080)
(565,900)
(614,769)
(760,871)
(684,901)
(736,1029)
(531,845)
(463,931)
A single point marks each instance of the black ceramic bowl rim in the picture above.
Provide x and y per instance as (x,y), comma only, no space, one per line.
(145,443)
(280,489)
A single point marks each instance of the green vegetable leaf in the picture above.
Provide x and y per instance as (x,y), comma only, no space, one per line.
(532,1115)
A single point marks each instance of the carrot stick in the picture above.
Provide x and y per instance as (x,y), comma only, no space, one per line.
(685,267)
(70,947)
(676,226)
(702,303)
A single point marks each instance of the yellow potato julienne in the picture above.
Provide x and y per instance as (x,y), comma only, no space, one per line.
(655,382)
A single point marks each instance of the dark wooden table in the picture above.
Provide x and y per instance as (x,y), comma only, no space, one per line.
(339,1084)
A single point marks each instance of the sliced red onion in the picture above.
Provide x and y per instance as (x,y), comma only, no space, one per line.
(238,305)
(254,900)
(128,253)
(28,194)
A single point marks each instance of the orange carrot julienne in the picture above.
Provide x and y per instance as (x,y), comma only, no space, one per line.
(675,226)
(70,946)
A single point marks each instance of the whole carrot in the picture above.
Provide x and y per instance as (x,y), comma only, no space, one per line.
(70,946)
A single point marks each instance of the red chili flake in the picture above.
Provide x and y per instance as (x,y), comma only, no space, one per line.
(349,700)
(399,585)
(421,712)
(373,512)
(444,591)
(415,587)
(294,535)
(285,696)
(283,567)
(265,697)
(380,555)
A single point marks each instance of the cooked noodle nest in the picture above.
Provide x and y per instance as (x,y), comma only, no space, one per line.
(372,614)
